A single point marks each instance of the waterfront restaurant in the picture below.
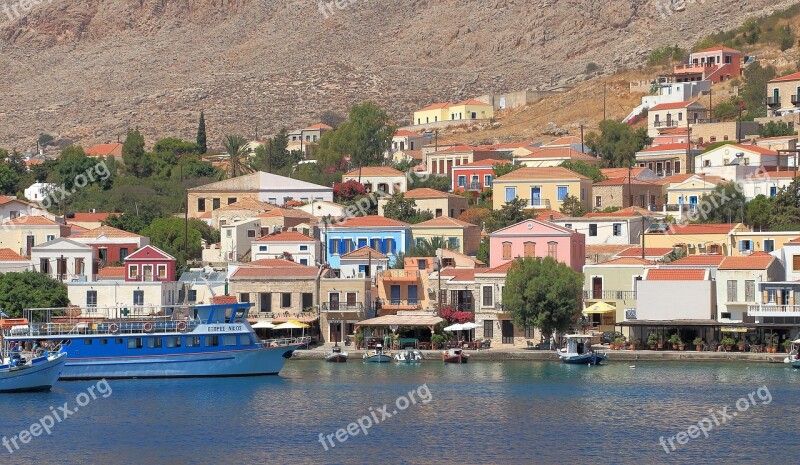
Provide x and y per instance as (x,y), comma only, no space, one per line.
(412,329)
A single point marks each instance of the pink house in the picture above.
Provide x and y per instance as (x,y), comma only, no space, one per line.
(150,264)
(534,238)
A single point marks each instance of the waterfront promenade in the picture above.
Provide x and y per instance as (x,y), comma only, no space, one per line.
(317,353)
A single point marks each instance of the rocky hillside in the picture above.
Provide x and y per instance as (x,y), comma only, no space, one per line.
(88,69)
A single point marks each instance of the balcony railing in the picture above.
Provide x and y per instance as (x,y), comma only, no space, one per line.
(404,303)
(770,309)
(609,295)
(540,203)
(795,100)
(772,101)
(475,186)
(460,306)
(389,274)
(357,307)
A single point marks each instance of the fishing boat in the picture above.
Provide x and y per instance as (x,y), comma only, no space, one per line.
(455,356)
(378,355)
(409,356)
(161,342)
(336,355)
(579,351)
(39,373)
(793,354)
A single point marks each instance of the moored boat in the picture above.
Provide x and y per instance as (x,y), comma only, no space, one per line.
(336,355)
(455,356)
(40,373)
(377,355)
(578,351)
(166,342)
(409,356)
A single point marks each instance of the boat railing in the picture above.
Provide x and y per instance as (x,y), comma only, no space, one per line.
(304,341)
(111,327)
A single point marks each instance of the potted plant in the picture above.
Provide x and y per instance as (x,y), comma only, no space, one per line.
(437,340)
(660,343)
(741,344)
(634,342)
(787,345)
(728,342)
(619,342)
(698,344)
(652,340)
(359,340)
(675,340)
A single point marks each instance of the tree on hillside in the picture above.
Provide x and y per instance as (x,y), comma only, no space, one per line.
(726,204)
(30,290)
(364,137)
(347,191)
(775,129)
(274,156)
(9,179)
(137,161)
(168,235)
(758,212)
(171,153)
(617,143)
(71,168)
(786,208)
(512,212)
(475,215)
(572,206)
(754,90)
(238,156)
(590,171)
(502,169)
(542,294)
(402,209)
(201,134)
(331,118)
(439,183)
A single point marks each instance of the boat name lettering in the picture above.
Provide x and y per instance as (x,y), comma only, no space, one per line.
(222,329)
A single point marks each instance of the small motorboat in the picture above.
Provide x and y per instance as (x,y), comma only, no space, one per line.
(579,351)
(336,355)
(455,356)
(378,355)
(40,373)
(409,356)
(793,354)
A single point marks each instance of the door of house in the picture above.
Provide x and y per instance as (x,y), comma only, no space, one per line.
(335,330)
(412,294)
(394,294)
(29,240)
(597,287)
(147,272)
(333,301)
(507,330)
(351,299)
(536,196)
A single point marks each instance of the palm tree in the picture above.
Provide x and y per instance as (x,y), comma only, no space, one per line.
(238,156)
(427,247)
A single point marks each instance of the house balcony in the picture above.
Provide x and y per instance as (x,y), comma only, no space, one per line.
(475,186)
(342,307)
(148,279)
(693,68)
(666,124)
(773,310)
(773,102)
(609,295)
(541,204)
(795,100)
(399,275)
(393,305)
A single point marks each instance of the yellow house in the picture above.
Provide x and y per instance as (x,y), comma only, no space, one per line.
(432,113)
(470,109)
(459,236)
(748,242)
(24,232)
(542,188)
(695,239)
(690,191)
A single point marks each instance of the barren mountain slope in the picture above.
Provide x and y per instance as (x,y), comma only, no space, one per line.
(88,69)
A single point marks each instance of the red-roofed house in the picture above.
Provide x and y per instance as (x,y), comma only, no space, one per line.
(113,149)
(287,244)
(22,233)
(279,287)
(738,161)
(715,64)
(673,115)
(111,245)
(675,294)
(475,176)
(614,282)
(650,253)
(457,235)
(89,220)
(442,162)
(783,94)
(534,238)
(620,227)
(407,140)
(694,238)
(458,113)
(622,191)
(11,261)
(13,208)
(668,159)
(736,283)
(555,156)
(543,188)
(378,178)
(388,236)
(438,203)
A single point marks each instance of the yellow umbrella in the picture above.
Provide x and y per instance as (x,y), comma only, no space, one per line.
(599,307)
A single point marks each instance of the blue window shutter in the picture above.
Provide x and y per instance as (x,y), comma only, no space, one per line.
(331,246)
(342,246)
(383,245)
(394,247)
(741,246)
(362,243)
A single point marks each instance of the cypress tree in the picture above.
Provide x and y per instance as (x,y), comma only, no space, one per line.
(201,134)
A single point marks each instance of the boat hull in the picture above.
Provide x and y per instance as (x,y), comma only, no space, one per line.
(336,358)
(38,377)
(250,362)
(378,358)
(585,359)
(796,363)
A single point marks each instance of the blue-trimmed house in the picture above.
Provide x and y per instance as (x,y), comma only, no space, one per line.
(387,236)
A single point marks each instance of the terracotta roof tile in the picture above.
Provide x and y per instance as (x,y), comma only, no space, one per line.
(286,213)
(275,268)
(460,274)
(648,252)
(436,106)
(629,212)
(8,255)
(488,162)
(559,152)
(473,101)
(549,215)
(717,48)
(534,174)
(700,229)
(427,193)
(627,261)
(107,231)
(364,252)
(755,261)
(314,127)
(502,269)
(676,274)
(699,260)
(247,203)
(667,148)
(103,150)
(25,220)
(372,221)
(672,106)
(788,77)
(443,222)
(109,272)
(224,299)
(97,217)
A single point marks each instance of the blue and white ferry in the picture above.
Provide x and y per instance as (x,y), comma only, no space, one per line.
(163,342)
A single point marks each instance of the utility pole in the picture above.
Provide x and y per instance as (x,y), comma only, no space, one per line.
(186,227)
(583,150)
(630,190)
(604,101)
(689,159)
(643,231)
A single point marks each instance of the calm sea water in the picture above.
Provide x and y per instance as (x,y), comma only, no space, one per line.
(509,412)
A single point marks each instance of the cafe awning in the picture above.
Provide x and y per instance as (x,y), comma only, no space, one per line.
(300,319)
(599,307)
(733,329)
(402,320)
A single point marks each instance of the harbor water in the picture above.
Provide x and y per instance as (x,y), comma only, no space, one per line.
(504,412)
